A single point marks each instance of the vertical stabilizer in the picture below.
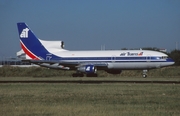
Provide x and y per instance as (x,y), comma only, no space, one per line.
(30,43)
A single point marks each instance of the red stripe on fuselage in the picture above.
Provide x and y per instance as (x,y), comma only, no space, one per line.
(31,55)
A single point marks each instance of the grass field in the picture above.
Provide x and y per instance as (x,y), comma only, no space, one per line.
(9,71)
(89,99)
(156,78)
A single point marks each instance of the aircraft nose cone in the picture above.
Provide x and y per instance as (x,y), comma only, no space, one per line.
(171,61)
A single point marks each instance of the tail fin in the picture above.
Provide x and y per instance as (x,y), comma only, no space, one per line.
(30,43)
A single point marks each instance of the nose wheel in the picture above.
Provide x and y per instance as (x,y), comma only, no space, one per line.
(144,74)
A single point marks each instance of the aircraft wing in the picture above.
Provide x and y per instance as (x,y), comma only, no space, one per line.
(66,65)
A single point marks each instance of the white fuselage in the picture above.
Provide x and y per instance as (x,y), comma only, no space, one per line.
(114,59)
(117,59)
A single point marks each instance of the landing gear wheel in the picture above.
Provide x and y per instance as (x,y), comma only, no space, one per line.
(144,75)
(91,75)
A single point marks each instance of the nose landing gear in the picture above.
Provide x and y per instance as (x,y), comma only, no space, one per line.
(144,74)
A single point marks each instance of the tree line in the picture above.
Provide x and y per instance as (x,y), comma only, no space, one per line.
(175,55)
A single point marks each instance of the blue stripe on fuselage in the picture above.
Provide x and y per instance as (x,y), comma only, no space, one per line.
(117,59)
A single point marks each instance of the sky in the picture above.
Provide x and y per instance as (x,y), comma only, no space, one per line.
(89,24)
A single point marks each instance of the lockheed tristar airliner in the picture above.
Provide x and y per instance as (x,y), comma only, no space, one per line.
(51,54)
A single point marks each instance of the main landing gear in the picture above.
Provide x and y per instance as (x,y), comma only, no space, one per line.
(91,75)
(79,74)
(144,74)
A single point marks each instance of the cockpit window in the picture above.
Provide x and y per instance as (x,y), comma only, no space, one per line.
(164,57)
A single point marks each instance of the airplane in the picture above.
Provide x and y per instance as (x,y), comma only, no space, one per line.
(42,53)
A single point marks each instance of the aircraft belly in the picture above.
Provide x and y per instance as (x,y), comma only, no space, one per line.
(132,65)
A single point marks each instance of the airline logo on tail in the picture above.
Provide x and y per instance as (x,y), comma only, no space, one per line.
(31,45)
(24,33)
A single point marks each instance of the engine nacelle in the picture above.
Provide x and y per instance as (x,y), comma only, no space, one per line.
(114,71)
(87,69)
